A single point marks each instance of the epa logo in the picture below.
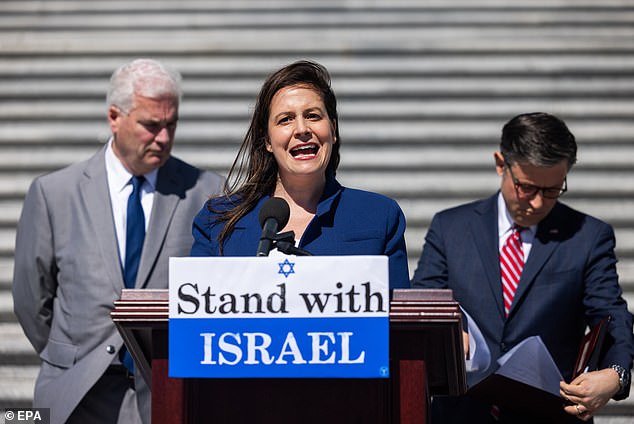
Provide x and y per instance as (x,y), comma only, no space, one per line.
(28,415)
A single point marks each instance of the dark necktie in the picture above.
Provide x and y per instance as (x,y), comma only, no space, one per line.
(135,233)
(511,266)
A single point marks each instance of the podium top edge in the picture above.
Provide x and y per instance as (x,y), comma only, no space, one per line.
(425,295)
(151,295)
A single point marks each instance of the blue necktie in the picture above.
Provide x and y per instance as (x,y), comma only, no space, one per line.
(135,233)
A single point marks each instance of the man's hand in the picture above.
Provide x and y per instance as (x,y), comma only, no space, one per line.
(465,344)
(589,392)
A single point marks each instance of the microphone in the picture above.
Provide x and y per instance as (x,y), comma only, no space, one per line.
(273,216)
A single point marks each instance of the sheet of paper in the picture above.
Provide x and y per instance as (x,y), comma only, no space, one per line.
(530,363)
(479,354)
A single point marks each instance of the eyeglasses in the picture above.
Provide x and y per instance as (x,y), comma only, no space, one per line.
(530,190)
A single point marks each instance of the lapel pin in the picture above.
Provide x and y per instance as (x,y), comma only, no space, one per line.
(554,231)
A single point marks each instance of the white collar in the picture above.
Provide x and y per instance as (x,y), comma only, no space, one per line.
(119,176)
(505,222)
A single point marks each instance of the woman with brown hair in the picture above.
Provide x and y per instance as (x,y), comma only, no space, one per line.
(291,151)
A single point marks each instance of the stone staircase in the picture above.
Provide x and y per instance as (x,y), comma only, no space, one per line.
(423,88)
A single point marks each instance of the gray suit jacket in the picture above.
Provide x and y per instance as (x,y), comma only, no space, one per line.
(67,271)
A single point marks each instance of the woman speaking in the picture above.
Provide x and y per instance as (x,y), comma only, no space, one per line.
(291,151)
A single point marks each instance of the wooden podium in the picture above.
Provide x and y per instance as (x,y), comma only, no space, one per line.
(426,358)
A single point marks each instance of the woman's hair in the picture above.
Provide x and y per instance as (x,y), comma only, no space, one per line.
(254,171)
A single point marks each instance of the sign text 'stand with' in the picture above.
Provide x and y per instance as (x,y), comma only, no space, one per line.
(279,317)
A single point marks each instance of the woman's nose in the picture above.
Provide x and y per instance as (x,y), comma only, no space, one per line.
(301,128)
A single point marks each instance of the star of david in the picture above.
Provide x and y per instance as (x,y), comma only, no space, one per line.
(286,268)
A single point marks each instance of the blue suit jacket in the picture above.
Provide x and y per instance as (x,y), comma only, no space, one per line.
(569,280)
(347,222)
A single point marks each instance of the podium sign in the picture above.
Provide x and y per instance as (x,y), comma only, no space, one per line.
(279,317)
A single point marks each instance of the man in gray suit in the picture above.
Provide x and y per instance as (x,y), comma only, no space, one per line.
(72,237)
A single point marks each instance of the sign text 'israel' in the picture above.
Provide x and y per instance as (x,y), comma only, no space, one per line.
(282,317)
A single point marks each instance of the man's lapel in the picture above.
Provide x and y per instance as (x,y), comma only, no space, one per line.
(96,202)
(544,244)
(169,190)
(485,232)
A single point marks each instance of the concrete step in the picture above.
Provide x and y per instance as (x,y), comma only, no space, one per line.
(14,185)
(6,308)
(612,419)
(15,348)
(336,15)
(16,386)
(333,18)
(213,132)
(9,214)
(463,64)
(177,17)
(6,273)
(34,6)
(64,86)
(361,40)
(368,109)
(615,410)
(7,241)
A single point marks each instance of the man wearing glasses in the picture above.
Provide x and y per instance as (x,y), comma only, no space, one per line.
(521,264)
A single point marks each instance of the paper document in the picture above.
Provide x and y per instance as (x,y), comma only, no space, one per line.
(527,376)
(479,355)
(530,363)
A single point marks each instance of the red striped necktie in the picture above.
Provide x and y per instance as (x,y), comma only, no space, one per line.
(511,265)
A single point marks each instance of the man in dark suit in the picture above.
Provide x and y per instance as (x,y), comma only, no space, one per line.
(95,227)
(521,264)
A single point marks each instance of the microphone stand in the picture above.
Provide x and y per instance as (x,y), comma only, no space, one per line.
(285,243)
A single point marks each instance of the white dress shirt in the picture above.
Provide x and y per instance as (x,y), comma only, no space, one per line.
(120,188)
(505,225)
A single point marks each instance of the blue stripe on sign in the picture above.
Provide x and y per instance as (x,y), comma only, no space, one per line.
(279,348)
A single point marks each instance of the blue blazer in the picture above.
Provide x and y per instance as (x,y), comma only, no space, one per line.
(569,280)
(347,222)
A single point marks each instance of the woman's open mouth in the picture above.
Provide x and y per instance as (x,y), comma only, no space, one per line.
(305,150)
